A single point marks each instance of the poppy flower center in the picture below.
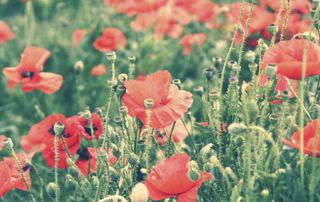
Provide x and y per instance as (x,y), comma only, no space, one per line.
(27,74)
(25,168)
(51,131)
(84,154)
(88,129)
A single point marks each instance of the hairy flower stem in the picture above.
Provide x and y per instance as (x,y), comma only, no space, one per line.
(244,39)
(56,157)
(284,26)
(109,105)
(14,155)
(312,185)
(148,138)
(40,181)
(301,114)
(228,56)
(170,139)
(274,34)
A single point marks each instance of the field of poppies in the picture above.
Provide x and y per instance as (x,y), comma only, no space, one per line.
(160,100)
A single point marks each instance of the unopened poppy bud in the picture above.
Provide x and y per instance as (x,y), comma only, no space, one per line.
(209,72)
(233,80)
(230,172)
(199,90)
(312,97)
(206,152)
(7,143)
(148,103)
(139,193)
(58,128)
(265,193)
(214,95)
(122,77)
(78,66)
(193,174)
(111,55)
(217,61)
(51,189)
(71,184)
(132,59)
(144,171)
(253,110)
(177,82)
(133,159)
(271,70)
(272,28)
(237,128)
(214,160)
(250,56)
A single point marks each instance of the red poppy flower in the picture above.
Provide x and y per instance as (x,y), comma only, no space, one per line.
(5,179)
(301,6)
(2,138)
(97,126)
(259,23)
(16,178)
(170,178)
(170,103)
(88,160)
(143,22)
(77,37)
(188,40)
(281,86)
(6,33)
(98,70)
(111,39)
(29,72)
(309,138)
(180,133)
(288,56)
(41,138)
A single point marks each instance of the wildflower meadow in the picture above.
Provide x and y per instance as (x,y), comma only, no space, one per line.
(160,100)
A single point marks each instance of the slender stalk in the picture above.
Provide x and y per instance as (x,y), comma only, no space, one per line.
(228,55)
(284,26)
(313,165)
(40,182)
(56,167)
(274,34)
(16,159)
(170,139)
(244,38)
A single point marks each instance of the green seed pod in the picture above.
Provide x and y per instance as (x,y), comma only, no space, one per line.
(111,55)
(271,70)
(177,82)
(58,128)
(265,193)
(217,61)
(78,66)
(272,28)
(122,77)
(132,59)
(148,103)
(209,73)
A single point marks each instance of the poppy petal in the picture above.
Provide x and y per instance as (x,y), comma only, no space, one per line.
(34,57)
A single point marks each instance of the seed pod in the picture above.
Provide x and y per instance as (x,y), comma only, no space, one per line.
(139,193)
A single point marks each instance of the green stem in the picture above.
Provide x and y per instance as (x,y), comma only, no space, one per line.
(56,152)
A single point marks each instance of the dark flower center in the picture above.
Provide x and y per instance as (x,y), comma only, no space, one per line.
(25,168)
(27,74)
(84,154)
(88,129)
